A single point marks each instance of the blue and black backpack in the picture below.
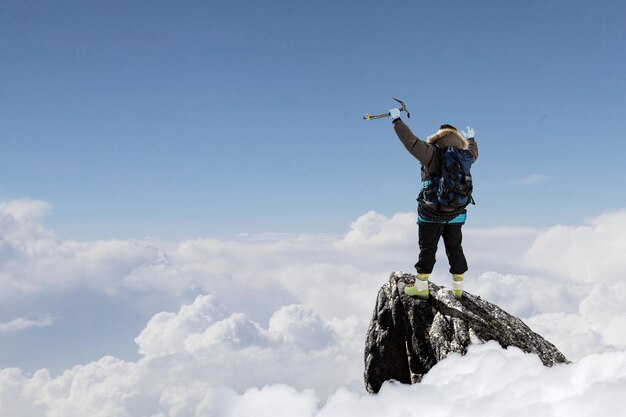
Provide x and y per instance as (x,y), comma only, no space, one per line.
(453,186)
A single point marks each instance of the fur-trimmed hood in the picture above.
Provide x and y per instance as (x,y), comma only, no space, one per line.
(448,137)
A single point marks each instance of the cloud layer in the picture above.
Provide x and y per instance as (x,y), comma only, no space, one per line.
(463,386)
(275,323)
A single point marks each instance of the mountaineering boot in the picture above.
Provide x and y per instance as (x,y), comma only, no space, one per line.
(420,288)
(457,285)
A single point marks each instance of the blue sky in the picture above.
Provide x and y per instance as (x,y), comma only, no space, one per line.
(196,118)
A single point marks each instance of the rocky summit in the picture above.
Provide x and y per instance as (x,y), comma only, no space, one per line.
(408,336)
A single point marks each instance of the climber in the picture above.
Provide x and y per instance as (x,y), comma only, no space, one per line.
(446,191)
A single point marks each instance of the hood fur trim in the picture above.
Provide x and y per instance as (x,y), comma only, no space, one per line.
(448,137)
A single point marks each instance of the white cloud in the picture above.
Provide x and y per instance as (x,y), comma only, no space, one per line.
(21,218)
(24,323)
(296,342)
(463,386)
(572,334)
(297,324)
(33,259)
(165,333)
(290,269)
(523,295)
(336,276)
(584,254)
(532,179)
(289,326)
(377,230)
(605,308)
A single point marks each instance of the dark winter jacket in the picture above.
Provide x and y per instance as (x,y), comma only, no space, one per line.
(427,153)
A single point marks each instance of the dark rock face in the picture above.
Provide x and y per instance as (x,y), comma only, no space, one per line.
(408,336)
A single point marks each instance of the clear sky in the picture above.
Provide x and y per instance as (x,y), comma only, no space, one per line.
(207,118)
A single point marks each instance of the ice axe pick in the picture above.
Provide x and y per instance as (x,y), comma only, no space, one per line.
(380,116)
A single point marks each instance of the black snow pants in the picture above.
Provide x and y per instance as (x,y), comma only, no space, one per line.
(429,234)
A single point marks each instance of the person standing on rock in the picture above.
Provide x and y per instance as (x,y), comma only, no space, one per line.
(446,157)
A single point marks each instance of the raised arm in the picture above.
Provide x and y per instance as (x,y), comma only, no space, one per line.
(418,148)
(471,141)
(473,147)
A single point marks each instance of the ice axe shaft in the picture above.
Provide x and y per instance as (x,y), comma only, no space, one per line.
(375,116)
(380,116)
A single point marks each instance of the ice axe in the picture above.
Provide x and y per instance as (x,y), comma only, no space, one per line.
(380,116)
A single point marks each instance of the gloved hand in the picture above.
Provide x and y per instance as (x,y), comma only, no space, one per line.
(395,114)
(469,134)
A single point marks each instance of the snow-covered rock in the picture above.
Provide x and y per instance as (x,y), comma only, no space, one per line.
(408,336)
